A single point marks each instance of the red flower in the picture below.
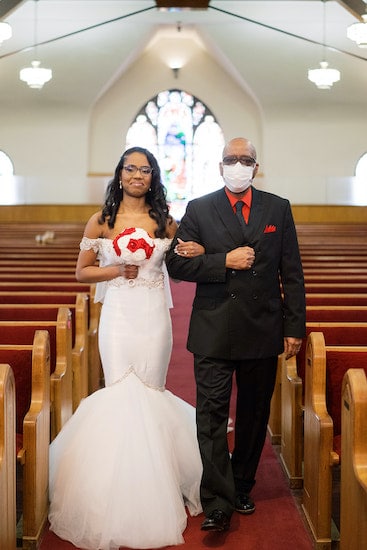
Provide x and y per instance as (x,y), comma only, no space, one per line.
(135,244)
(133,250)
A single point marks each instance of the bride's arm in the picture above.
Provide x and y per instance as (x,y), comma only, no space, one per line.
(189,249)
(87,269)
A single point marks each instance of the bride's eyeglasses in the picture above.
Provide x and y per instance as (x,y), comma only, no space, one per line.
(131,169)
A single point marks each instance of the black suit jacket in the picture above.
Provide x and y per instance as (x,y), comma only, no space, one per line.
(241,314)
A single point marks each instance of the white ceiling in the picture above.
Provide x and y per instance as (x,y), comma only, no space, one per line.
(267,45)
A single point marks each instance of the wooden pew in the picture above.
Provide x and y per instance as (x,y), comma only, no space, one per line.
(325,370)
(7,459)
(35,277)
(328,234)
(292,411)
(94,362)
(31,366)
(12,270)
(333,278)
(341,299)
(32,256)
(36,262)
(348,287)
(38,297)
(60,338)
(292,392)
(310,266)
(353,485)
(337,313)
(49,311)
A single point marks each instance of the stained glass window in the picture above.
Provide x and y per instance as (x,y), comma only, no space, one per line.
(183,134)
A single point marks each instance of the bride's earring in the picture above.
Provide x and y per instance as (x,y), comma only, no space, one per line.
(120,183)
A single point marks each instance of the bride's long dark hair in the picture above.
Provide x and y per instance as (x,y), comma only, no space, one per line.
(155,197)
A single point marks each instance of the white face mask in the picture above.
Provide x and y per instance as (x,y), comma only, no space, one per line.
(238,177)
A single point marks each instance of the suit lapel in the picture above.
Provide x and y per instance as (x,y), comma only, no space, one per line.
(257,216)
(229,220)
(226,215)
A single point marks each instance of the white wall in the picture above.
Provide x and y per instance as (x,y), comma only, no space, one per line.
(235,111)
(311,154)
(305,154)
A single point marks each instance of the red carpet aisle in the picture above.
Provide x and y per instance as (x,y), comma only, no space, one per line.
(277,523)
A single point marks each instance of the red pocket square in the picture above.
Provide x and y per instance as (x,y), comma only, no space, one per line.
(270,229)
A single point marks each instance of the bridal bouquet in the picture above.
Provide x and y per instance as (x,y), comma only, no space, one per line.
(133,246)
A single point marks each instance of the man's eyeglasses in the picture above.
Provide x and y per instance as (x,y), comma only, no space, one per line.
(233,159)
(131,169)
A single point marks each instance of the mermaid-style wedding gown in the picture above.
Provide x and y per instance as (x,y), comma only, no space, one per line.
(127,463)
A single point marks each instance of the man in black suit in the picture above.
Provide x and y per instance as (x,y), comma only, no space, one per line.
(249,307)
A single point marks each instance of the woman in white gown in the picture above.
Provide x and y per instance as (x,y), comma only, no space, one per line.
(126,465)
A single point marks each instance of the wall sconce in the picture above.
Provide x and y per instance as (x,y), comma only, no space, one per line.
(175,71)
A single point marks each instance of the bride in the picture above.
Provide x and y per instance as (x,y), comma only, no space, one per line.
(127,464)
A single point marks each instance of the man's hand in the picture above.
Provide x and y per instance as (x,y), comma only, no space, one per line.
(240,258)
(291,346)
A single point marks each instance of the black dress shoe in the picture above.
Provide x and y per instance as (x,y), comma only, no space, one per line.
(216,521)
(244,504)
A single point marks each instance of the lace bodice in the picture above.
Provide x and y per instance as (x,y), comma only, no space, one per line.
(136,247)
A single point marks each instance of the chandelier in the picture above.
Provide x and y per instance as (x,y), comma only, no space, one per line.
(358,32)
(5,31)
(324,76)
(35,76)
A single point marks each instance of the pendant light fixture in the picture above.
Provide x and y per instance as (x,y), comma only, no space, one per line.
(324,77)
(5,31)
(358,32)
(35,76)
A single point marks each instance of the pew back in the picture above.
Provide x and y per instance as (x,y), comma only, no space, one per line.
(33,455)
(60,342)
(321,414)
(7,459)
(353,485)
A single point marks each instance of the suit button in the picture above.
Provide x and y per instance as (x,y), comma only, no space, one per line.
(254,272)
(233,296)
(233,273)
(254,296)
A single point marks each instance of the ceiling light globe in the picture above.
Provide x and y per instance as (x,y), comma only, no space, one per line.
(35,76)
(324,77)
(358,32)
(5,31)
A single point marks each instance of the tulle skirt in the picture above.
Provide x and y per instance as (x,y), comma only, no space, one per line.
(124,469)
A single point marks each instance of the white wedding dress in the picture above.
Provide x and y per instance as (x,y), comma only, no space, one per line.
(127,464)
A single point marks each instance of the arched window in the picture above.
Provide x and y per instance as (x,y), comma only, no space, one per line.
(6,165)
(360,186)
(187,141)
(7,190)
(361,168)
